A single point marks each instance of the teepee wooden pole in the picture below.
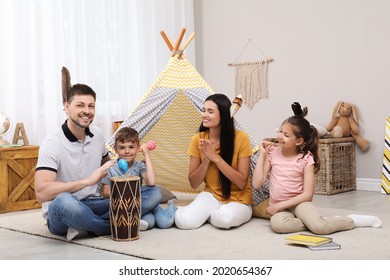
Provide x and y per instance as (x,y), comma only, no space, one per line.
(177,52)
(167,41)
(188,41)
(179,41)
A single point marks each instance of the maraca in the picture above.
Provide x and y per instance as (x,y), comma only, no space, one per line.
(151,145)
(123,166)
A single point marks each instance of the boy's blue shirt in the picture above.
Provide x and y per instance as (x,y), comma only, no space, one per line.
(137,169)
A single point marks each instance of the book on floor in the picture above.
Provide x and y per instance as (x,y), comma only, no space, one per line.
(327,246)
(307,239)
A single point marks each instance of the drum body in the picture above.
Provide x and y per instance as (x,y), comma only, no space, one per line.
(125,207)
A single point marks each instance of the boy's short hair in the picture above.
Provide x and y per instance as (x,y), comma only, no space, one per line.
(127,134)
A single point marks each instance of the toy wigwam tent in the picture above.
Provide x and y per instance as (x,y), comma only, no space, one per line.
(169,115)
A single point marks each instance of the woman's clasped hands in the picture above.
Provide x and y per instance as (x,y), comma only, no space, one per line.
(208,150)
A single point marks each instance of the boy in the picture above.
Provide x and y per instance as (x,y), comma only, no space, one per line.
(127,145)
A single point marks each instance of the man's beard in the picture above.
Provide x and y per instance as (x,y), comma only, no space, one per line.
(76,122)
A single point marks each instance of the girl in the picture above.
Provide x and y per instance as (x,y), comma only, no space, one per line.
(291,166)
(219,156)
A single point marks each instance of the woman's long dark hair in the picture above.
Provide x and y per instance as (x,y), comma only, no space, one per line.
(226,138)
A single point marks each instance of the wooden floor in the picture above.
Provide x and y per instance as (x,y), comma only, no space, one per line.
(20,246)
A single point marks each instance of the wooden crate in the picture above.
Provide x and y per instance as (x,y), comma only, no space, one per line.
(338,170)
(17,170)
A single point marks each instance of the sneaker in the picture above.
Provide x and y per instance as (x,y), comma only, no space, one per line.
(74,232)
(143,225)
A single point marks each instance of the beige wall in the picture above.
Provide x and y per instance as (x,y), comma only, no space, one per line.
(324,51)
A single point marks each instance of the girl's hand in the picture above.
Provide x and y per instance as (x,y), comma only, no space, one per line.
(265,144)
(272,209)
(262,148)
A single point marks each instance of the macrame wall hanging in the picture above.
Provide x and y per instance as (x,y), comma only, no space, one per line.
(251,81)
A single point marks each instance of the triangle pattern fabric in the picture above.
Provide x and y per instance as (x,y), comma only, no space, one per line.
(172,134)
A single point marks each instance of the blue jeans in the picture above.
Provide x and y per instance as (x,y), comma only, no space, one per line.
(152,212)
(91,215)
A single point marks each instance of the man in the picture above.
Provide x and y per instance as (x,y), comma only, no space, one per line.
(69,170)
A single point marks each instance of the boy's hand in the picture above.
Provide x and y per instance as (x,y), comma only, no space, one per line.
(144,149)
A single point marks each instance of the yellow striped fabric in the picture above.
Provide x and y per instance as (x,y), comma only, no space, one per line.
(386,160)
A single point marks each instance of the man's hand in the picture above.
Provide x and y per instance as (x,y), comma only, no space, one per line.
(99,173)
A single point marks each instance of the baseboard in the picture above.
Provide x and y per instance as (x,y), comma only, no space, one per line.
(367,184)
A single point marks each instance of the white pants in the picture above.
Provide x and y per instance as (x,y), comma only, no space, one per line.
(206,207)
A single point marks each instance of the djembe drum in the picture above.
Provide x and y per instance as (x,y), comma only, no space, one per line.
(125,207)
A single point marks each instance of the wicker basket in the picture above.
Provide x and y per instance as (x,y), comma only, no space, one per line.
(338,171)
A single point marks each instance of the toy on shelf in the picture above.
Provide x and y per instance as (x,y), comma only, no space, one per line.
(345,123)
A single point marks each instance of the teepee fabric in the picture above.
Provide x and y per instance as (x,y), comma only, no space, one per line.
(169,114)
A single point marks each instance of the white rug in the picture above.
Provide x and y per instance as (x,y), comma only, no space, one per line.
(252,241)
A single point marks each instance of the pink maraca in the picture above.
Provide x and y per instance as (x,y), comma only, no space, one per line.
(151,145)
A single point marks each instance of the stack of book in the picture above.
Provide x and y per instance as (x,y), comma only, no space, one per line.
(313,242)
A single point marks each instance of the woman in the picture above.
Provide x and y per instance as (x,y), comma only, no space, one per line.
(219,157)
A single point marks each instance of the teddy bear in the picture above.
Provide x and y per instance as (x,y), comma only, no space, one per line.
(345,123)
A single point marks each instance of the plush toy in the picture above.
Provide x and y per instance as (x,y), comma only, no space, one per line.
(345,123)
